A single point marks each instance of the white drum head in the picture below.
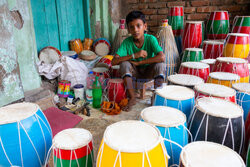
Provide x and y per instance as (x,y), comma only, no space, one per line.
(209,154)
(71,139)
(196,65)
(224,76)
(194,22)
(132,136)
(100,69)
(101,49)
(17,112)
(185,79)
(242,87)
(213,42)
(231,60)
(163,116)
(116,67)
(48,56)
(194,49)
(69,53)
(238,34)
(208,61)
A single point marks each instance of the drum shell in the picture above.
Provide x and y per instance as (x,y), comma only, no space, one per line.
(176,19)
(116,91)
(76,45)
(229,98)
(115,73)
(192,37)
(195,56)
(202,72)
(105,73)
(212,51)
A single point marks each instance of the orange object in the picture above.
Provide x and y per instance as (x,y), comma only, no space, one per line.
(110,108)
(87,44)
(76,45)
(123,103)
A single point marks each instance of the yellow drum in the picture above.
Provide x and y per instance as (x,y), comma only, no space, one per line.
(132,144)
(223,78)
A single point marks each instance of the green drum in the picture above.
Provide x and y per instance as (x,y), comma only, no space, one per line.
(176,19)
(192,54)
(241,24)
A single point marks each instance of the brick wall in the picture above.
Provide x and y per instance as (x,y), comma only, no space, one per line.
(156,10)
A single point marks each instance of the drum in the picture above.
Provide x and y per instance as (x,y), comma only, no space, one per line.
(215,90)
(195,68)
(208,154)
(237,45)
(212,49)
(233,65)
(218,25)
(243,96)
(192,54)
(115,71)
(116,90)
(241,24)
(210,62)
(219,121)
(73,147)
(223,78)
(101,46)
(71,54)
(144,147)
(49,55)
(98,70)
(176,19)
(105,61)
(192,37)
(26,136)
(178,97)
(185,80)
(76,45)
(172,125)
(178,40)
(87,44)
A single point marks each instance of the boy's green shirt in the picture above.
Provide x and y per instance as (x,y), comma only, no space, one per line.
(150,45)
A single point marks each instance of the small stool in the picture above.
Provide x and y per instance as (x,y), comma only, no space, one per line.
(143,86)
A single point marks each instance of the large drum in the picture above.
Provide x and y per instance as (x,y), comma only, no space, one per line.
(218,25)
(209,154)
(192,54)
(73,147)
(241,24)
(185,80)
(101,70)
(25,135)
(176,19)
(195,68)
(219,121)
(237,45)
(178,97)
(210,62)
(192,37)
(233,65)
(172,125)
(101,46)
(116,90)
(105,61)
(243,96)
(215,90)
(132,143)
(223,78)
(212,49)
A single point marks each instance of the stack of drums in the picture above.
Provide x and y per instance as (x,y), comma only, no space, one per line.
(212,49)
(219,121)
(218,25)
(210,62)
(185,80)
(192,54)
(223,78)
(172,126)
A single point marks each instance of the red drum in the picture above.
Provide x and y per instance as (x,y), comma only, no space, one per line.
(210,62)
(215,90)
(116,90)
(98,70)
(212,49)
(115,71)
(105,61)
(233,65)
(192,37)
(195,68)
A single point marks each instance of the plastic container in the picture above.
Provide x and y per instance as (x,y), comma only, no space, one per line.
(97,93)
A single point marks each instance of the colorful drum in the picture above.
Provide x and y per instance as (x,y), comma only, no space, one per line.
(116,90)
(172,125)
(71,54)
(223,78)
(185,80)
(132,143)
(73,147)
(76,45)
(210,62)
(63,88)
(101,46)
(178,97)
(215,90)
(192,54)
(49,55)
(219,121)
(98,70)
(233,65)
(115,71)
(195,68)
(192,37)
(218,25)
(87,44)
(243,96)
(212,49)
(26,136)
(208,154)
(241,24)
(237,45)
(105,61)
(176,19)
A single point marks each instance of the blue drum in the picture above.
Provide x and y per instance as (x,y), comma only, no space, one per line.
(25,135)
(172,125)
(178,97)
(243,96)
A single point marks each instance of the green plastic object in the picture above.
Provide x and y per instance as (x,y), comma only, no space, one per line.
(97,93)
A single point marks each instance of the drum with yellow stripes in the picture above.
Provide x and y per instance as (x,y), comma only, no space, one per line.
(132,144)
(223,78)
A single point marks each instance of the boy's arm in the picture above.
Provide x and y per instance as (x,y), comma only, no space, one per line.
(159,58)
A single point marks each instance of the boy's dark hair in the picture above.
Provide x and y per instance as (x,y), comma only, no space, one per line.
(135,15)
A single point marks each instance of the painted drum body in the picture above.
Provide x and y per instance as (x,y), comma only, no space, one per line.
(223,78)
(105,61)
(76,45)
(212,49)
(98,70)
(192,54)
(210,62)
(192,37)
(116,90)
(176,19)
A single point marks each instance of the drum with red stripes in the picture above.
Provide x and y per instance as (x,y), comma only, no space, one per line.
(212,49)
(101,70)
(116,90)
(218,25)
(115,71)
(241,24)
(210,62)
(195,68)
(73,147)
(105,61)
(176,19)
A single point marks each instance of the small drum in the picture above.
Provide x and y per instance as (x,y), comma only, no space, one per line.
(73,147)
(218,25)
(98,70)
(237,45)
(223,78)
(116,90)
(71,54)
(195,68)
(233,65)
(215,90)
(132,143)
(105,61)
(178,97)
(87,55)
(76,45)
(176,19)
(192,37)
(101,46)
(243,96)
(212,49)
(185,80)
(192,54)
(172,125)
(210,62)
(219,121)
(87,44)
(26,136)
(49,55)
(209,154)
(115,71)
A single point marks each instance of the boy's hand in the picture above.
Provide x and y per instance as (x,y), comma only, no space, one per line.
(141,53)
(135,63)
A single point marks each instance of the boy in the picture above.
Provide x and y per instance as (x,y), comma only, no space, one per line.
(139,56)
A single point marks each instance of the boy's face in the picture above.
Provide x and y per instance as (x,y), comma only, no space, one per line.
(137,28)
